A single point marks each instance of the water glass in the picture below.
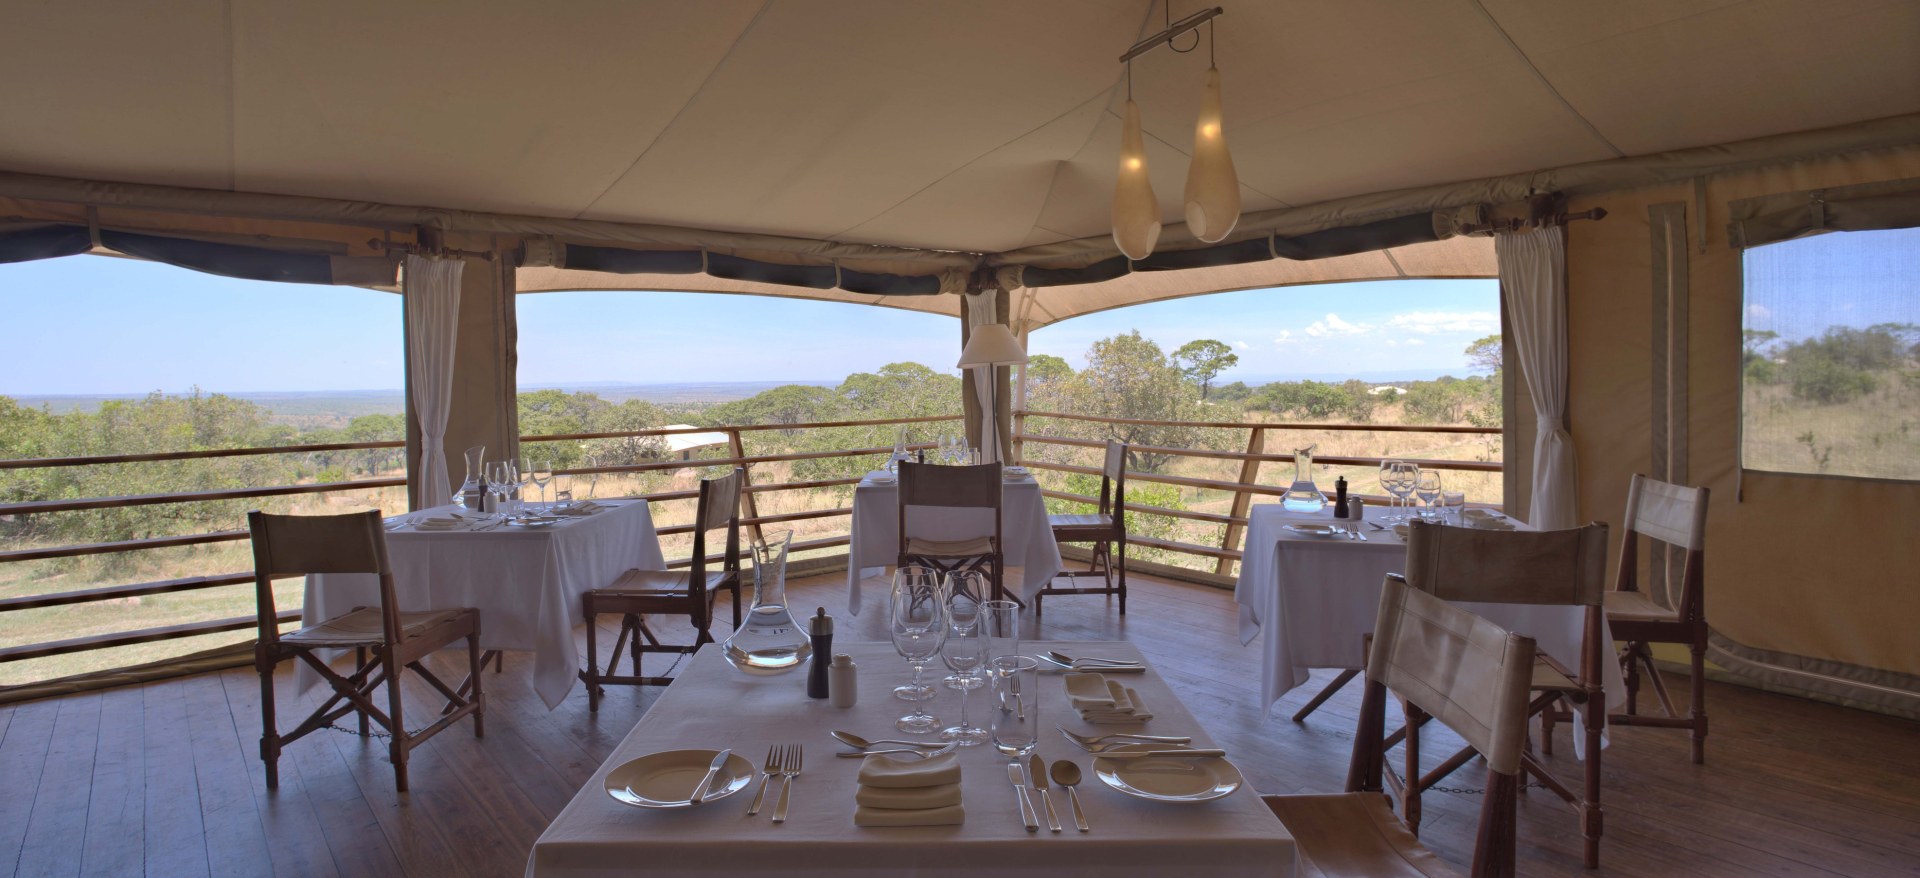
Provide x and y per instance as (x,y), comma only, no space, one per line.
(1000,622)
(962,652)
(1015,681)
(965,590)
(562,490)
(1452,503)
(1427,485)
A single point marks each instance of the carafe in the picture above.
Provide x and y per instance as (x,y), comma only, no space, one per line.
(1303,496)
(769,642)
(471,493)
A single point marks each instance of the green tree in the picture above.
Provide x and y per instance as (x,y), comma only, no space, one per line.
(1204,359)
(1485,354)
(786,404)
(1128,376)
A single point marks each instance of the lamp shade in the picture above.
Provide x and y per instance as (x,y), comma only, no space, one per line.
(1213,189)
(1136,212)
(992,344)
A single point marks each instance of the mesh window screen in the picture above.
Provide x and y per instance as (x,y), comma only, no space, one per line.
(1831,375)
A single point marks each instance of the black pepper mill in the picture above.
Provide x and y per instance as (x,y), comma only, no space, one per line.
(1340,497)
(820,628)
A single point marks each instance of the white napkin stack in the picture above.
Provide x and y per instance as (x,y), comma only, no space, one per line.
(909,792)
(1103,702)
(452,521)
(585,507)
(1484,520)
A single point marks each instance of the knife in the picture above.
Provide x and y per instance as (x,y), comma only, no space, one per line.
(1037,769)
(700,792)
(1141,755)
(1020,788)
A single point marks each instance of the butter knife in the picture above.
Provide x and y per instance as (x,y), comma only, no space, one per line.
(1020,789)
(719,760)
(1037,770)
(1142,755)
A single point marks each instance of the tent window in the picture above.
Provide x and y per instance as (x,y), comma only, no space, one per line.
(1831,355)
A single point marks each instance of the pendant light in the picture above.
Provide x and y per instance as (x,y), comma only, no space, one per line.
(1136,212)
(1212,197)
(1213,190)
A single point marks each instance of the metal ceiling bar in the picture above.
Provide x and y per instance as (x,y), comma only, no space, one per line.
(1191,22)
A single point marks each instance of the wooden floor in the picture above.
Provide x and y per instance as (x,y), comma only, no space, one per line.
(164,779)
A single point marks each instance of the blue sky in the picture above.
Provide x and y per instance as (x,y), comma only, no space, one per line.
(93,325)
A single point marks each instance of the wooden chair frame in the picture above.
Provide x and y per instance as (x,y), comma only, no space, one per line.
(1674,519)
(289,545)
(640,592)
(1109,538)
(955,487)
(1550,568)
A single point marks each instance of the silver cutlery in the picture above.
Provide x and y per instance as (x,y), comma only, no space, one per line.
(1037,772)
(1020,789)
(1086,741)
(1067,774)
(928,754)
(1375,526)
(1104,669)
(1065,659)
(852,740)
(1191,754)
(1355,530)
(789,769)
(774,753)
(700,792)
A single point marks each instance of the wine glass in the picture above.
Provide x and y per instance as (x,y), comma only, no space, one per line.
(542,474)
(966,590)
(918,622)
(963,651)
(1387,475)
(916,576)
(1404,475)
(1427,486)
(500,481)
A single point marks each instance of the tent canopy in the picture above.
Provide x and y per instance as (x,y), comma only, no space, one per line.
(942,128)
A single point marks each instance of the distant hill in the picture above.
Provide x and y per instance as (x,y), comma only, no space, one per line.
(308,409)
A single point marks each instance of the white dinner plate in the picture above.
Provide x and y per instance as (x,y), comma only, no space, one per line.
(1315,530)
(881,480)
(534,522)
(666,779)
(1168,779)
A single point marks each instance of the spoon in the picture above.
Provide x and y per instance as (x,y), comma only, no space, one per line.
(855,741)
(1065,659)
(1067,774)
(924,754)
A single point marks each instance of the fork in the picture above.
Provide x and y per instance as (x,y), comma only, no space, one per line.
(775,753)
(1091,741)
(789,769)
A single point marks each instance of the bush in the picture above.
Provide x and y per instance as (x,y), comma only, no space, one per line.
(1827,382)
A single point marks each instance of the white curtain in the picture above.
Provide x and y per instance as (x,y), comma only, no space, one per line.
(980,312)
(1533,278)
(432,289)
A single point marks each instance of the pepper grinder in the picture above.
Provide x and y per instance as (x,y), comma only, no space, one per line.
(820,628)
(1340,497)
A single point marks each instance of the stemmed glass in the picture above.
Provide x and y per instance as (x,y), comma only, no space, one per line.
(1427,485)
(917,614)
(542,474)
(1403,476)
(500,482)
(966,590)
(964,650)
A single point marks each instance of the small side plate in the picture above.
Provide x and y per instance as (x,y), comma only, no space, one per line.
(1168,779)
(666,779)
(1314,530)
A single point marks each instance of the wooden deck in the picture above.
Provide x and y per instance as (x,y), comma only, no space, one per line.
(164,779)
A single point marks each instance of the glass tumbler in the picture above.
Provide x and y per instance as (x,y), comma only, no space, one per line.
(1015,681)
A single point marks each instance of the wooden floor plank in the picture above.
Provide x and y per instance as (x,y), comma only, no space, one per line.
(1790,787)
(115,842)
(59,819)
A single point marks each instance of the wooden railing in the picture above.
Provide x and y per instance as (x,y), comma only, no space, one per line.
(1243,489)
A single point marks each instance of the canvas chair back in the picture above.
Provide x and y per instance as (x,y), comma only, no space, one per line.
(298,545)
(1465,671)
(1509,567)
(717,507)
(1675,515)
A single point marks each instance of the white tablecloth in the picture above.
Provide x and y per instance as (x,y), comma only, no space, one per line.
(1023,524)
(1314,597)
(526,582)
(712,706)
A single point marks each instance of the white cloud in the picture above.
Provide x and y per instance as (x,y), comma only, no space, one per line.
(1445,321)
(1285,337)
(1242,345)
(1392,343)
(1334,326)
(1416,341)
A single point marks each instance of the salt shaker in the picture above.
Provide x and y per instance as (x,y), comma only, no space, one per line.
(844,681)
(1356,509)
(820,628)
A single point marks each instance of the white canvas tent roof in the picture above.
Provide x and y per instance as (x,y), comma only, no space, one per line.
(946,128)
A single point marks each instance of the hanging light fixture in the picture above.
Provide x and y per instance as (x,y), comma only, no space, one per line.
(1136,212)
(1212,197)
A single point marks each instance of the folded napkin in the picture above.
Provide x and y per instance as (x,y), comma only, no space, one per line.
(908,798)
(583,508)
(1088,692)
(879,477)
(1484,520)
(886,772)
(442,522)
(1125,706)
(950,815)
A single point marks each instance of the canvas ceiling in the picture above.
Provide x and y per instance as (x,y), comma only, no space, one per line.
(981,127)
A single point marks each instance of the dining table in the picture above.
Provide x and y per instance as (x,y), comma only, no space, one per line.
(711,706)
(875,540)
(525,578)
(1313,597)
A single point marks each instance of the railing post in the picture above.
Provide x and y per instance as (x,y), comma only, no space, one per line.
(747,504)
(1019,430)
(1249,475)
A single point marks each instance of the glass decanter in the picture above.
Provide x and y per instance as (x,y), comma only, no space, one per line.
(1303,496)
(470,492)
(769,642)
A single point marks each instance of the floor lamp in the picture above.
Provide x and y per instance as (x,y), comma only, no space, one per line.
(992,345)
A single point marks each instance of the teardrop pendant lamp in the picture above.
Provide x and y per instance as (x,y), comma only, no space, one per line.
(1212,197)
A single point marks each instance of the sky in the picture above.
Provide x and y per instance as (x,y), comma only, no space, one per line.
(95,325)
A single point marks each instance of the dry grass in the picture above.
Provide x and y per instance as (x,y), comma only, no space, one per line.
(1875,436)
